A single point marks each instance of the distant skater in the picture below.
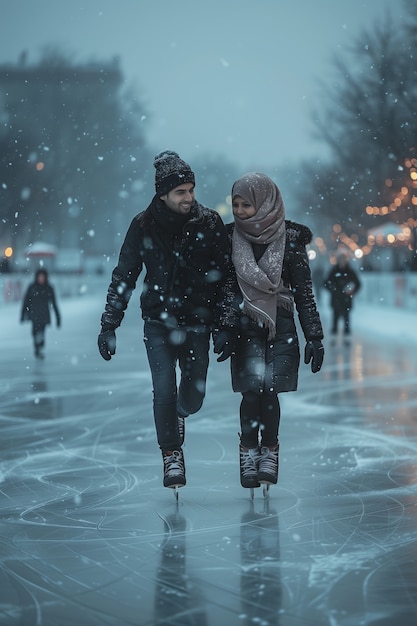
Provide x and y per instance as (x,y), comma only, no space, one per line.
(317,275)
(37,302)
(343,284)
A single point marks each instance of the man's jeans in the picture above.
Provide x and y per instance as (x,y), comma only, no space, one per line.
(166,348)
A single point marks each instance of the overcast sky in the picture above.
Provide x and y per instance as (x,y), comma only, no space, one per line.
(232,77)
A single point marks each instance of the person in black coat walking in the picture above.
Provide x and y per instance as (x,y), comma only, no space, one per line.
(343,284)
(186,297)
(37,302)
(272,275)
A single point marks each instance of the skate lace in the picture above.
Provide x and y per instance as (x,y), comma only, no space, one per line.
(269,460)
(174,464)
(248,462)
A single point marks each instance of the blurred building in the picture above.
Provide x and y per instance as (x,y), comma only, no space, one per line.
(66,155)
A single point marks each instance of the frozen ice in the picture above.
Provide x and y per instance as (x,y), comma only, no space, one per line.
(90,536)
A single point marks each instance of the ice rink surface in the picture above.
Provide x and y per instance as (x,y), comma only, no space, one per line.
(89,536)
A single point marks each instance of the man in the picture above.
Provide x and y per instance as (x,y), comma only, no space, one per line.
(343,284)
(186,296)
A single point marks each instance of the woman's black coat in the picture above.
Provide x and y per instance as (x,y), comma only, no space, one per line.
(262,365)
(37,303)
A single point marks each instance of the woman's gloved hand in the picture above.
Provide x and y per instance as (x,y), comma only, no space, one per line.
(314,352)
(224,344)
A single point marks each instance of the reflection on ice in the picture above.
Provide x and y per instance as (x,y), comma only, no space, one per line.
(260,577)
(178,598)
(89,536)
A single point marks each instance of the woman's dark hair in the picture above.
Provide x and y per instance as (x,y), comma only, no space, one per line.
(40,271)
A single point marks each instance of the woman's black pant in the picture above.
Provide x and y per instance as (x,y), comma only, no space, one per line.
(259,418)
(38,334)
(168,349)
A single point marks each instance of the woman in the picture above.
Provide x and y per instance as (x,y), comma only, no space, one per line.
(272,271)
(39,297)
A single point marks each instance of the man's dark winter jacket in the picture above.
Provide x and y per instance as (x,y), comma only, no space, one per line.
(188,272)
(343,284)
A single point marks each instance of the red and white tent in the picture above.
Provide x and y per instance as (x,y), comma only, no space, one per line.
(40,249)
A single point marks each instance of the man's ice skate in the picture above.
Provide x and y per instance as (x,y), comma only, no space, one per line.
(268,467)
(249,459)
(174,470)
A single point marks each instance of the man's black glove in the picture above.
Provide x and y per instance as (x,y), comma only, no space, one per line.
(314,352)
(107,344)
(224,344)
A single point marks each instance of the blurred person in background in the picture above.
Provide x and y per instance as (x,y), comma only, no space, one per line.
(317,275)
(343,284)
(36,308)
